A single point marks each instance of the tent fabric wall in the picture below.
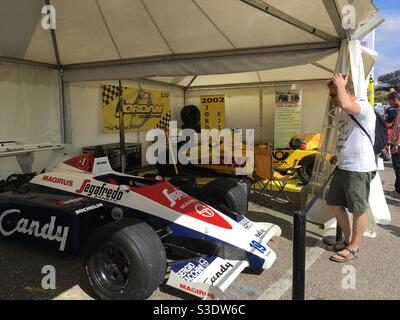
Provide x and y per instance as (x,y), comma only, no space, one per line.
(29,110)
(87,117)
(242,107)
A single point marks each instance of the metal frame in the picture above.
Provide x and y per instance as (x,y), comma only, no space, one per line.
(28,62)
(333,11)
(205,55)
(252,84)
(265,7)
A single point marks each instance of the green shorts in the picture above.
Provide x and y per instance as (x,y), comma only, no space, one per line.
(350,190)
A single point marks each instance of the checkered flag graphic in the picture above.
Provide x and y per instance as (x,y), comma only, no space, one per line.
(164,121)
(109,93)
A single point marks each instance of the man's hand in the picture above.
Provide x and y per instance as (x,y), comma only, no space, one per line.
(333,160)
(339,80)
(394,149)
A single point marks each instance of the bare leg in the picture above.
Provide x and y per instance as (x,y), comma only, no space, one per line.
(360,224)
(343,221)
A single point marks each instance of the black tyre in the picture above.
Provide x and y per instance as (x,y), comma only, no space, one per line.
(186,183)
(125,260)
(227,195)
(190,114)
(306,169)
(386,155)
(194,126)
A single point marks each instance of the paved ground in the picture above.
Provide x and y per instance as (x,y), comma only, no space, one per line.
(376,270)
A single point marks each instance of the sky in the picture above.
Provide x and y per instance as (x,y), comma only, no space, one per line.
(388,37)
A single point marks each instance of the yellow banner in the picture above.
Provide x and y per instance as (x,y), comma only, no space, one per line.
(212,112)
(143,109)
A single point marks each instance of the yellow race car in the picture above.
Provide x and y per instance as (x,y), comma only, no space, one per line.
(299,158)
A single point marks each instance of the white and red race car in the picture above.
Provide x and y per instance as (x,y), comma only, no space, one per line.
(135,232)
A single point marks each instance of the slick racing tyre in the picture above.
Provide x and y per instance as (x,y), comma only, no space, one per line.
(306,169)
(125,260)
(190,114)
(194,126)
(227,195)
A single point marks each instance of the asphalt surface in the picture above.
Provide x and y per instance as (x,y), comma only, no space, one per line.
(374,275)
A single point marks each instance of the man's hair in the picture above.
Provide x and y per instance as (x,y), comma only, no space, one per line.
(349,85)
(394,95)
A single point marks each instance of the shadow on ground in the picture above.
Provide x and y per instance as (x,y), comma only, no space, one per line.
(393,229)
(21,268)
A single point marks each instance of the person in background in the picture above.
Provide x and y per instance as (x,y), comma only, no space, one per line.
(394,101)
(350,185)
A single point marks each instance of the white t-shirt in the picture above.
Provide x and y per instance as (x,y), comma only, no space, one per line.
(355,150)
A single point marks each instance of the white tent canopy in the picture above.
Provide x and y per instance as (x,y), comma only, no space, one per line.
(125,39)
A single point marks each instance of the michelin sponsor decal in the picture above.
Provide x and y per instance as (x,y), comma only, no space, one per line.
(33,228)
(90,208)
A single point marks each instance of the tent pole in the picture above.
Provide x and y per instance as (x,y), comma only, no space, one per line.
(63,125)
(122,145)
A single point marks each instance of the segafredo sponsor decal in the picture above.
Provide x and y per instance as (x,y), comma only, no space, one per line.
(57,180)
(173,196)
(93,207)
(100,192)
(33,228)
(204,211)
(223,268)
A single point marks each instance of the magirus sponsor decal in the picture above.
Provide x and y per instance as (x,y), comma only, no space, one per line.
(57,180)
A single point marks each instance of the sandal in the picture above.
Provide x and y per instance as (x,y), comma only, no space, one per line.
(339,246)
(351,256)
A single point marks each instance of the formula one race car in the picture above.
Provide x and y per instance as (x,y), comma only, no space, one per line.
(134,231)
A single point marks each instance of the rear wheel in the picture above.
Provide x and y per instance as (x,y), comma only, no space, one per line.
(227,195)
(306,169)
(190,114)
(125,260)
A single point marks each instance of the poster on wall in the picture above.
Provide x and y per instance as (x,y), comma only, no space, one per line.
(143,109)
(212,110)
(287,117)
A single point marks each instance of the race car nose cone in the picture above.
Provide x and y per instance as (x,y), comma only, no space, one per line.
(270,260)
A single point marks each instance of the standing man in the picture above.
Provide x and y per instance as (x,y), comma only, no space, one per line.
(394,101)
(350,185)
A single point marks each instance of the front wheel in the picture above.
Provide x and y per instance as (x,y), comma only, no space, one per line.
(125,260)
